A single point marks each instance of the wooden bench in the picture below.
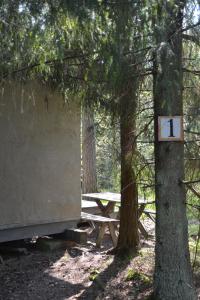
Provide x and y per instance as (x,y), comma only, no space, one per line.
(151,214)
(103,222)
(90,207)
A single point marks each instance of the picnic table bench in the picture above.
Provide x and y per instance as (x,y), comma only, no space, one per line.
(151,214)
(90,207)
(103,222)
(104,204)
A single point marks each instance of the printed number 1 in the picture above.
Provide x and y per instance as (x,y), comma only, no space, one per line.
(171,128)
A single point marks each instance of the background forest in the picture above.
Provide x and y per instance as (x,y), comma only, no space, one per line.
(106,54)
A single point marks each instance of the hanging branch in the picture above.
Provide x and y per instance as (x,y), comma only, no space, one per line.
(194,72)
(189,186)
(193,205)
(47,62)
(144,129)
(197,245)
(191,38)
(191,26)
(192,132)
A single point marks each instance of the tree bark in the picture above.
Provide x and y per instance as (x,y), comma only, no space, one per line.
(126,91)
(128,234)
(173,275)
(89,179)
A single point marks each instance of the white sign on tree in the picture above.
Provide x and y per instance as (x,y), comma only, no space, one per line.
(170,128)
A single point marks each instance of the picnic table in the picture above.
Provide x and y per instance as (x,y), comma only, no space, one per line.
(106,203)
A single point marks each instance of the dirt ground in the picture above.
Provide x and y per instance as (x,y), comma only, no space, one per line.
(78,272)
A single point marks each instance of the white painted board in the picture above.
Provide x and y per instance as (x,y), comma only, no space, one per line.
(170,128)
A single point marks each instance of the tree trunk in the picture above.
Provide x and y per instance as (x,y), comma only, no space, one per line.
(128,233)
(89,180)
(126,90)
(173,275)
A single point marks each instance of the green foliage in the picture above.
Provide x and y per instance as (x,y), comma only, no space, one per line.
(93,275)
(194,246)
(69,43)
(133,275)
(107,153)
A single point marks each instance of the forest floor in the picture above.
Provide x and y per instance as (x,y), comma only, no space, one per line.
(79,272)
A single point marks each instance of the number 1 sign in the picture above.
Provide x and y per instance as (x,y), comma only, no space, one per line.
(170,128)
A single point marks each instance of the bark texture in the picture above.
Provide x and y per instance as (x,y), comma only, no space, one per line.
(89,179)
(126,92)
(173,275)
(128,233)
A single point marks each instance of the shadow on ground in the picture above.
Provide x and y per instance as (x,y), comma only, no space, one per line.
(96,289)
(26,277)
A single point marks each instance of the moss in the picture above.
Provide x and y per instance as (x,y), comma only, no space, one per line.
(136,276)
(93,275)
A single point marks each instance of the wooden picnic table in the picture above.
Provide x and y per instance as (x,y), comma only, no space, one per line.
(112,200)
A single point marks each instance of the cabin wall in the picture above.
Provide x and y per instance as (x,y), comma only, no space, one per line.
(39,157)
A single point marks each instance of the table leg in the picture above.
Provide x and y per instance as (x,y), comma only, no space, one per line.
(113,234)
(141,227)
(109,208)
(140,210)
(106,210)
(142,230)
(101,233)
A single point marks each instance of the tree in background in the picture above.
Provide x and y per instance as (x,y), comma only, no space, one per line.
(89,173)
(126,92)
(118,64)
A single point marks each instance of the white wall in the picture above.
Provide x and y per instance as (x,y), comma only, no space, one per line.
(39,156)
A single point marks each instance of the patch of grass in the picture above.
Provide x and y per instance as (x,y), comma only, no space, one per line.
(133,275)
(193,244)
(147,253)
(93,274)
(193,229)
(192,247)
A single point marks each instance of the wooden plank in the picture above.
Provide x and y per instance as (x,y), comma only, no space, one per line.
(111,197)
(142,230)
(97,218)
(90,207)
(113,234)
(104,221)
(88,204)
(150,214)
(115,197)
(149,211)
(101,234)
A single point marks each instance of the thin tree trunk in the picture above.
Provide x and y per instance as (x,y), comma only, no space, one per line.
(89,180)
(126,92)
(128,233)
(173,275)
